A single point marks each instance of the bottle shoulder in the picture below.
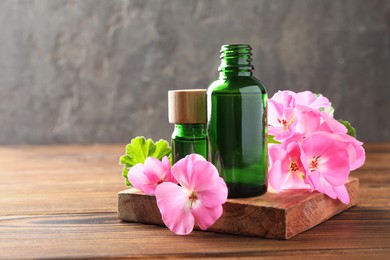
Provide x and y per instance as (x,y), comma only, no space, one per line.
(189,132)
(237,85)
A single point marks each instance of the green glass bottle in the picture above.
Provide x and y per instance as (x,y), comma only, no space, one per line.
(187,110)
(237,123)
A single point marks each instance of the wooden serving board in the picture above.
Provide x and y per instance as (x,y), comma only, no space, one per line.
(272,215)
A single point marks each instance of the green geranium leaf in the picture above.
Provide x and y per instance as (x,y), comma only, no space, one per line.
(351,130)
(125,171)
(139,149)
(271,140)
(162,149)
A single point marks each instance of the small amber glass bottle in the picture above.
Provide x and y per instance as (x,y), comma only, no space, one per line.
(187,110)
(237,123)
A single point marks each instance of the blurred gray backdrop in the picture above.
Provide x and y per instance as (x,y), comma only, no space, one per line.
(99,71)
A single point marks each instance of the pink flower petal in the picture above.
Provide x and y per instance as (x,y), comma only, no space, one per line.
(215,196)
(206,217)
(342,194)
(275,173)
(307,98)
(336,169)
(137,177)
(166,163)
(276,153)
(154,170)
(173,203)
(204,176)
(275,111)
(357,156)
(149,188)
(146,177)
(285,97)
(281,121)
(168,177)
(295,181)
(275,177)
(356,153)
(331,125)
(307,122)
(333,161)
(182,170)
(195,173)
(321,185)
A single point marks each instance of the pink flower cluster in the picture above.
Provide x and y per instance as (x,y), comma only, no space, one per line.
(198,199)
(314,151)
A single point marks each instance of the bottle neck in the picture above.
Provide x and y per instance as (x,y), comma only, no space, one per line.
(235,61)
(195,130)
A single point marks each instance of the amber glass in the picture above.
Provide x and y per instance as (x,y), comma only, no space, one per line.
(237,124)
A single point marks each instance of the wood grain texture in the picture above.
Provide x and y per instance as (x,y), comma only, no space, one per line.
(59,179)
(273,215)
(61,202)
(356,231)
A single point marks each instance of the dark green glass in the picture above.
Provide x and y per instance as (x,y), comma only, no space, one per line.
(187,139)
(237,124)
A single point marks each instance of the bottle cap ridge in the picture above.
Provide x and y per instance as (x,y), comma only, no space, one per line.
(187,106)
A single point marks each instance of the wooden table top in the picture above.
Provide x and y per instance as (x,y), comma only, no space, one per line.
(61,202)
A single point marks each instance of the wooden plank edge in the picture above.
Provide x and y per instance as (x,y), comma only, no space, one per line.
(259,216)
(316,209)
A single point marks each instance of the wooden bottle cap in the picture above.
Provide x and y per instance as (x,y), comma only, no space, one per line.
(187,106)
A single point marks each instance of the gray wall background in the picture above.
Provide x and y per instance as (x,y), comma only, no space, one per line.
(99,71)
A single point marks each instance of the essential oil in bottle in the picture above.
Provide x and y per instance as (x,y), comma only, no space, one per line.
(237,123)
(187,110)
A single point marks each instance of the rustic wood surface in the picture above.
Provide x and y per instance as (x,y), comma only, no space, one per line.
(272,215)
(61,202)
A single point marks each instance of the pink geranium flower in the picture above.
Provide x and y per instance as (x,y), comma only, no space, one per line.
(356,153)
(198,199)
(281,120)
(315,149)
(285,97)
(306,99)
(327,165)
(308,122)
(331,125)
(294,115)
(309,99)
(286,169)
(147,176)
